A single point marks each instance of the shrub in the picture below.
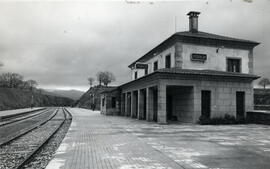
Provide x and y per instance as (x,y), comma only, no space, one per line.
(204,120)
(226,119)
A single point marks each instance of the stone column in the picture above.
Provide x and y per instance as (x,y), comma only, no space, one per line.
(140,104)
(126,104)
(162,113)
(197,103)
(133,104)
(149,104)
(101,107)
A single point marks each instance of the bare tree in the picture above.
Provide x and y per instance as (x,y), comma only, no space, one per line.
(24,85)
(105,77)
(11,80)
(91,81)
(5,79)
(16,80)
(108,78)
(1,64)
(100,77)
(32,84)
(264,82)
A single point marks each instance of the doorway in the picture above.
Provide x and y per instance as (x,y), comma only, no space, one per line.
(155,95)
(240,105)
(169,107)
(206,104)
(180,103)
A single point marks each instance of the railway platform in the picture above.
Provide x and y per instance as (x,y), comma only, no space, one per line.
(97,141)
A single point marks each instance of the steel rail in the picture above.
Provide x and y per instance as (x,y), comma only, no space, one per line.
(29,129)
(43,143)
(21,118)
(10,116)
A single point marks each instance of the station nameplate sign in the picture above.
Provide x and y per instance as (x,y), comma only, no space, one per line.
(198,57)
(141,66)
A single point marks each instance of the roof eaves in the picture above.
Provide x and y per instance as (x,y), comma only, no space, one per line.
(205,35)
(153,50)
(208,73)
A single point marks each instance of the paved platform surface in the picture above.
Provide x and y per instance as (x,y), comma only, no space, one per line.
(109,142)
(16,111)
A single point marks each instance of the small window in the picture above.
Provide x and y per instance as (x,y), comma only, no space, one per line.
(234,65)
(103,101)
(136,75)
(113,102)
(145,71)
(168,61)
(155,65)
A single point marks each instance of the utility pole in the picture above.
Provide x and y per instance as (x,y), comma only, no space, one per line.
(32,100)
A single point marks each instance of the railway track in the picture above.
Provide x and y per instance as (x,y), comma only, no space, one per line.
(19,150)
(17,127)
(21,116)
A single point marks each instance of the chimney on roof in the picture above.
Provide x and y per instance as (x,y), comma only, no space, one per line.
(193,21)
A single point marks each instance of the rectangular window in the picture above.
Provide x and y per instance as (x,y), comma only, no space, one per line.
(103,101)
(145,71)
(168,61)
(234,65)
(155,65)
(136,75)
(113,102)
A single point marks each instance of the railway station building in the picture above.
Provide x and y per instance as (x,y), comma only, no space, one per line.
(189,75)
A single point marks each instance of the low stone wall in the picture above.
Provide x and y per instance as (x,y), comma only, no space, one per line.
(258,117)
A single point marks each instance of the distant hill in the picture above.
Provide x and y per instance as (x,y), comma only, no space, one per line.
(87,98)
(11,98)
(72,94)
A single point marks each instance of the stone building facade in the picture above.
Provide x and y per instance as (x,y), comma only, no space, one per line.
(189,75)
(109,102)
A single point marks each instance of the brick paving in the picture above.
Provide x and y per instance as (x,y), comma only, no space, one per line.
(109,142)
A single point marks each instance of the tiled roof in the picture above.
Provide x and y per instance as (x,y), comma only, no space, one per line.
(212,36)
(197,35)
(206,72)
(109,89)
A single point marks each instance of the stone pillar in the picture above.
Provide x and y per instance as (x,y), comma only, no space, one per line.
(140,104)
(178,55)
(149,104)
(162,112)
(126,105)
(133,105)
(101,107)
(197,104)
(121,104)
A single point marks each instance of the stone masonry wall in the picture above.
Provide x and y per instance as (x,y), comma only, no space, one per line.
(223,97)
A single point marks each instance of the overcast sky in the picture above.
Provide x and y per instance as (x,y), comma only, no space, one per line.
(60,44)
